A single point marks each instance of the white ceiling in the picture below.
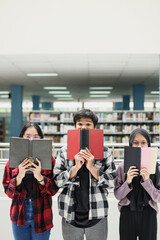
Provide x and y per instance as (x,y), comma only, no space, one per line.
(78,72)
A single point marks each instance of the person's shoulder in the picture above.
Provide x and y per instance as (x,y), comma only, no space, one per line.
(63,152)
(121,166)
(107,153)
(64,148)
(107,150)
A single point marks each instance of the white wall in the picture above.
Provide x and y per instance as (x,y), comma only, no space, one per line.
(81,26)
(113,220)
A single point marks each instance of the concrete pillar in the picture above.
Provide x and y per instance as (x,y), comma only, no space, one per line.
(36,102)
(16,110)
(138,97)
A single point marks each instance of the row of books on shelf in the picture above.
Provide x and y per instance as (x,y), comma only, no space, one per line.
(51,117)
(120,128)
(35,117)
(109,139)
(55,129)
(126,116)
(108,128)
(137,117)
(66,117)
(105,116)
(157,116)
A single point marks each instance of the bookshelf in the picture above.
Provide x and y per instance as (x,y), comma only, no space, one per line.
(2,129)
(117,125)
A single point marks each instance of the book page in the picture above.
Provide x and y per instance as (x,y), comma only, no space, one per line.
(149,158)
(18,151)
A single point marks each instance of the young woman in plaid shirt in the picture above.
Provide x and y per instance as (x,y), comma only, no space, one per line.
(84,181)
(31,192)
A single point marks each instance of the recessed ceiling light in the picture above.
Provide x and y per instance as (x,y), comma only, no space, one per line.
(59,92)
(64,99)
(99,92)
(4,96)
(42,74)
(55,88)
(65,96)
(98,96)
(155,92)
(100,88)
(4,92)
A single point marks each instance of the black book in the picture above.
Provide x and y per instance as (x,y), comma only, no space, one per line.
(140,157)
(21,148)
(84,139)
(132,157)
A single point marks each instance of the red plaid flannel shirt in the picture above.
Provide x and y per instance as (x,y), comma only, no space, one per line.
(42,198)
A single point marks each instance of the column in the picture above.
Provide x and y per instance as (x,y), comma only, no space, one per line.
(16,110)
(126,101)
(138,97)
(47,105)
(117,105)
(36,102)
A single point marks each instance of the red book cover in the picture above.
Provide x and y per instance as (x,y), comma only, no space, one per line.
(95,143)
(73,143)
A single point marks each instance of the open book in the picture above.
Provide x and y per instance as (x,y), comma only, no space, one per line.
(140,157)
(80,139)
(21,148)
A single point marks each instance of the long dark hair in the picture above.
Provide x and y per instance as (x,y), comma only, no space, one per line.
(35,125)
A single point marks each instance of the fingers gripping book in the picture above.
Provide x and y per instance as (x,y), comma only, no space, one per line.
(80,139)
(21,148)
(140,157)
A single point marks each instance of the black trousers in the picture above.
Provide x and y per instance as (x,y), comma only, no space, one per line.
(135,224)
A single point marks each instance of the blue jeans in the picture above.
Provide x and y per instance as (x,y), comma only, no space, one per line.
(27,232)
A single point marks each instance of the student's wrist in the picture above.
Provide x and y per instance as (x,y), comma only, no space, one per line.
(129,184)
(91,167)
(40,178)
(75,168)
(18,180)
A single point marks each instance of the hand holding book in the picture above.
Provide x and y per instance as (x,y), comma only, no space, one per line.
(132,172)
(144,157)
(21,149)
(89,158)
(23,168)
(36,169)
(145,174)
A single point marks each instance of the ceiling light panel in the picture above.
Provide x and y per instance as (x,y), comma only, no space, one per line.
(100,88)
(4,96)
(59,92)
(155,92)
(42,74)
(66,99)
(98,96)
(65,96)
(4,92)
(99,92)
(55,88)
